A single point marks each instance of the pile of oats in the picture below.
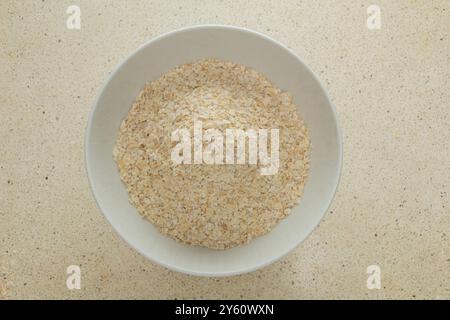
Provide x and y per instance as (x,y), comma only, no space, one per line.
(215,206)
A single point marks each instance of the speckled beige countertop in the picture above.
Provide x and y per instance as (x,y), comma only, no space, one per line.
(390,88)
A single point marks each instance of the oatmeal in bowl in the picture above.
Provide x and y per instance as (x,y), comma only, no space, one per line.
(219,204)
(213,150)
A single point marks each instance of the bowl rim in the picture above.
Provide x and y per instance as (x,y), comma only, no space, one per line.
(149,42)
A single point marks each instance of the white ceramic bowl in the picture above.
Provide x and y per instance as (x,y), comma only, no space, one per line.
(242,46)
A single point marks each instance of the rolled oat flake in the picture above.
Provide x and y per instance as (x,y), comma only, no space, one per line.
(217,206)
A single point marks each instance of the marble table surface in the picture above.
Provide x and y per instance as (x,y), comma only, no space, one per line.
(390,86)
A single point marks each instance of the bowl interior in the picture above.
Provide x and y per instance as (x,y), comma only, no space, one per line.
(241,46)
